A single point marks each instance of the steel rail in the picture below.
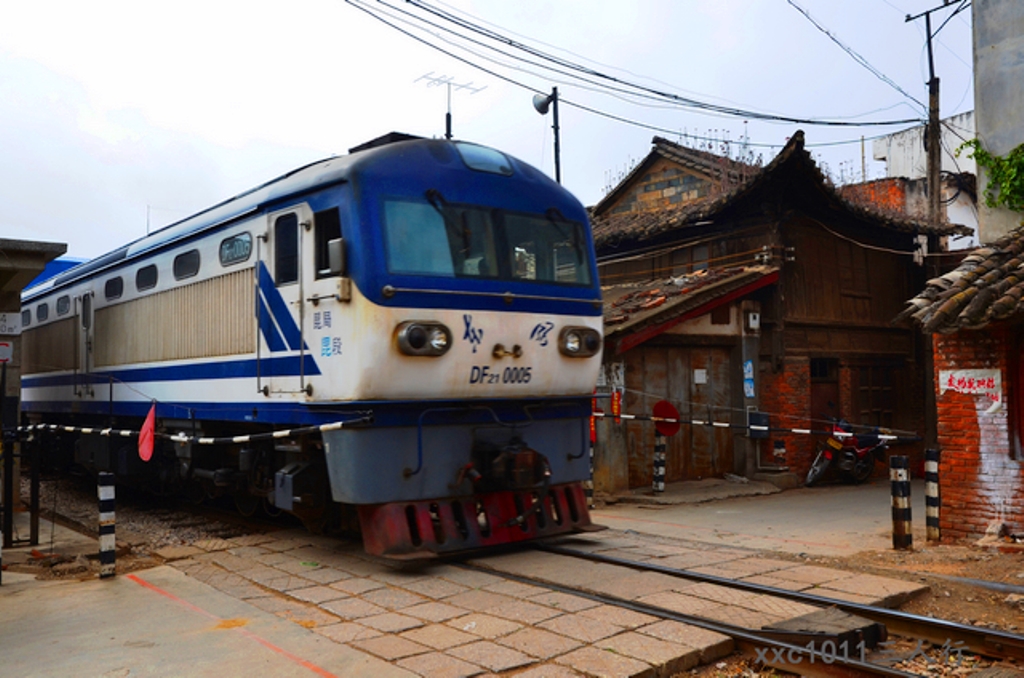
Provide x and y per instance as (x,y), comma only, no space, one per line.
(988,642)
(803,660)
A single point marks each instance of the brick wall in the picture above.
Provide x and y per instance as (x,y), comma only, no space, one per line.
(978,479)
(787,396)
(663,185)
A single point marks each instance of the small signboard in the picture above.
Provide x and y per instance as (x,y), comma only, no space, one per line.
(6,351)
(10,324)
(984,382)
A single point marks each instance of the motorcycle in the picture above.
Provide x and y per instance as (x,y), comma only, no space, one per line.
(853,455)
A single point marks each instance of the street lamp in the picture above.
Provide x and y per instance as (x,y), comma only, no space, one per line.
(541,103)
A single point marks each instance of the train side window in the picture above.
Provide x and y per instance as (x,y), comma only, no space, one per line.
(235,249)
(286,249)
(42,312)
(26,317)
(63,305)
(186,264)
(145,278)
(113,288)
(328,228)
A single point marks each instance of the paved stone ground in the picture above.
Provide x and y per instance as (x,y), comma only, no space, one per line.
(441,620)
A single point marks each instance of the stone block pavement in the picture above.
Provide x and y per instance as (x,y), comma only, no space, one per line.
(440,620)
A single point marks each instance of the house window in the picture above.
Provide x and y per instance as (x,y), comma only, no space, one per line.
(690,259)
(875,393)
(824,369)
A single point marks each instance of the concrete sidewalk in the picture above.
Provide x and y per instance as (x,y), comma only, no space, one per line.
(830,520)
(157,622)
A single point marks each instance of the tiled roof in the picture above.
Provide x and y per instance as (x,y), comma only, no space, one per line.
(986,287)
(614,230)
(634,307)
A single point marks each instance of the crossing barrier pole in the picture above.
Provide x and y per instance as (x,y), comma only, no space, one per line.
(659,463)
(932,497)
(107,540)
(899,475)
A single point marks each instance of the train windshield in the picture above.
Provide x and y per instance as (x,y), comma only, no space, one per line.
(436,238)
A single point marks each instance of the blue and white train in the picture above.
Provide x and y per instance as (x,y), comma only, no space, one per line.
(439,298)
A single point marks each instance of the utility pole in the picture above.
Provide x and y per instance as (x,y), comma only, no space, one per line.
(933,145)
(933,132)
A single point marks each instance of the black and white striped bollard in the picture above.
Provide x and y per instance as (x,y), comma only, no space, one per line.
(899,475)
(107,542)
(932,498)
(659,463)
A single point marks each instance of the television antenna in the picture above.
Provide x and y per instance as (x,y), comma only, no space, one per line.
(449,82)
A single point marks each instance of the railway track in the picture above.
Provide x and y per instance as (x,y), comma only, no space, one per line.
(801,652)
(805,653)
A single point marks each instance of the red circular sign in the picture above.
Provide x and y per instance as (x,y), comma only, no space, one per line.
(663,409)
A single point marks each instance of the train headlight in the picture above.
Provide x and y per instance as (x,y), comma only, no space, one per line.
(423,338)
(579,342)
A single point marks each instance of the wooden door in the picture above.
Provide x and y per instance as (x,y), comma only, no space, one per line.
(656,373)
(710,448)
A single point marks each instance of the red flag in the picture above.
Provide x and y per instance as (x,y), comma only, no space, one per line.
(146,434)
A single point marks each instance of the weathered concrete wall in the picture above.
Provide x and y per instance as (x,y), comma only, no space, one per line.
(905,156)
(998,94)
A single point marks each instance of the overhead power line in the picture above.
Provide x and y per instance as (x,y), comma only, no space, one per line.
(390,21)
(857,57)
(465,30)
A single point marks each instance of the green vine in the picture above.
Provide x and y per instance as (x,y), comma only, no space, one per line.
(1005,175)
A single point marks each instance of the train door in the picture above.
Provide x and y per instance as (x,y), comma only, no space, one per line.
(84,344)
(281,345)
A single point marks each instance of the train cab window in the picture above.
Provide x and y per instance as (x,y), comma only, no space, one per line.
(547,250)
(42,312)
(113,288)
(236,249)
(145,278)
(286,249)
(328,228)
(416,240)
(63,305)
(186,264)
(26,318)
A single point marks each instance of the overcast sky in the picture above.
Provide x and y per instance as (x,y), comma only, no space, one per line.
(113,114)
